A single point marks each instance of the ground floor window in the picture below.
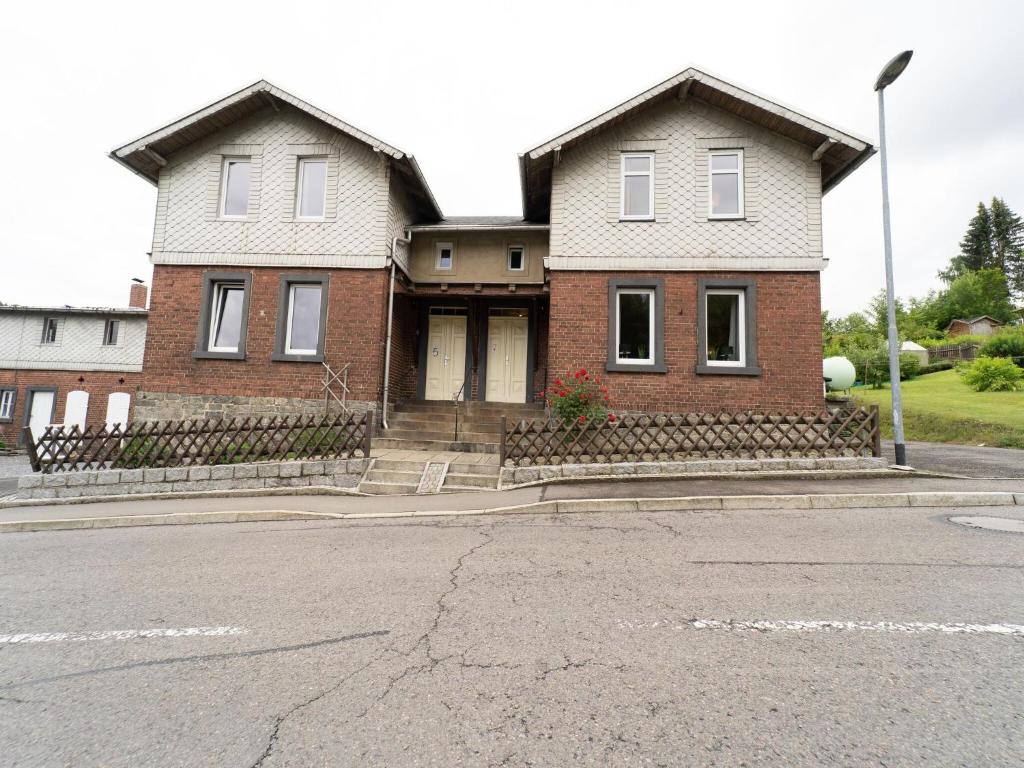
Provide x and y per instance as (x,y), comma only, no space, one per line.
(635,325)
(301,318)
(224,317)
(727,327)
(7,404)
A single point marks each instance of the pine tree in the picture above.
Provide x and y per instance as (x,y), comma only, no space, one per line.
(975,248)
(1008,244)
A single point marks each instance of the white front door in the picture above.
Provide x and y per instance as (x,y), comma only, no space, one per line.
(40,412)
(506,359)
(446,357)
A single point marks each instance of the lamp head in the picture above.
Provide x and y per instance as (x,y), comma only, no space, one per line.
(892,70)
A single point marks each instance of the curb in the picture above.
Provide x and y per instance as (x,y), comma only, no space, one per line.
(568,506)
(782,474)
(301,490)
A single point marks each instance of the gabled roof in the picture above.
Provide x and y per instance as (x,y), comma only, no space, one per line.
(146,155)
(839,151)
(973,320)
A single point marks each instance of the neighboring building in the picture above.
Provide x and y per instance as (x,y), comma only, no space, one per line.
(69,365)
(672,244)
(976,326)
(915,350)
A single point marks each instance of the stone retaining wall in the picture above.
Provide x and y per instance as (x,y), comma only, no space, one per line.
(171,406)
(511,477)
(342,473)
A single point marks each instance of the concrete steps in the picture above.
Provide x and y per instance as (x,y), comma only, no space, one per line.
(437,446)
(387,477)
(430,425)
(471,477)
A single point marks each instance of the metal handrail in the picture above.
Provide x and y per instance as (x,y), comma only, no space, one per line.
(330,378)
(455,402)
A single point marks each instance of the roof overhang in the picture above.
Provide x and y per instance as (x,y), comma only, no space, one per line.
(108,311)
(840,152)
(146,155)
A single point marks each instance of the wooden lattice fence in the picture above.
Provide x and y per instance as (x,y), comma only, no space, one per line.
(200,442)
(677,437)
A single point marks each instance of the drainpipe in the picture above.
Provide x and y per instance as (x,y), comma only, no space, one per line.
(387,340)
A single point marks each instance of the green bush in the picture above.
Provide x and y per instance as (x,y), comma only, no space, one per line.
(941,365)
(873,366)
(1009,343)
(946,341)
(993,374)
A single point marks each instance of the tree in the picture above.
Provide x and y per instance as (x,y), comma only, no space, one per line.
(994,240)
(983,292)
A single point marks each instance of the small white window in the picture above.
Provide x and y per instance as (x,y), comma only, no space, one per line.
(637,192)
(7,404)
(516,258)
(725,169)
(226,317)
(111,332)
(302,336)
(444,256)
(49,330)
(725,324)
(311,199)
(234,187)
(634,326)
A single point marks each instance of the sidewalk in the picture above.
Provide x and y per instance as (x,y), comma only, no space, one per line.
(618,489)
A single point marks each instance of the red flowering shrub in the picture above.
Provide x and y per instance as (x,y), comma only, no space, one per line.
(577,398)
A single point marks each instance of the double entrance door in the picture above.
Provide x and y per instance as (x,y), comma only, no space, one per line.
(506,354)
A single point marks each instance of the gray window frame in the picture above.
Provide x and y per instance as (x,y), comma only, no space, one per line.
(284,289)
(14,404)
(749,288)
(202,351)
(651,284)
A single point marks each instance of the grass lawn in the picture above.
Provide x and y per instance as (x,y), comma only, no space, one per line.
(940,408)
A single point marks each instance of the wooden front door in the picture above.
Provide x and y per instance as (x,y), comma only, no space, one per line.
(446,357)
(506,358)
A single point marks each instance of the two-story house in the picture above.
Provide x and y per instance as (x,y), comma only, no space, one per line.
(69,365)
(672,244)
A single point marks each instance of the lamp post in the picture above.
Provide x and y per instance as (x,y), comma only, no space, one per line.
(889,73)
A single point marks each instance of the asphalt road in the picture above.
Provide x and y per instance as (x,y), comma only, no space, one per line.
(963,460)
(520,640)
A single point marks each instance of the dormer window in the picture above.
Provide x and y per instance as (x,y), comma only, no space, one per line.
(49,330)
(311,197)
(234,187)
(637,192)
(111,332)
(725,168)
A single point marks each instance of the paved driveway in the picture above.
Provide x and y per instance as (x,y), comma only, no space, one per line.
(966,460)
(533,640)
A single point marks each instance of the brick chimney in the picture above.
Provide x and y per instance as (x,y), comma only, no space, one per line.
(137,297)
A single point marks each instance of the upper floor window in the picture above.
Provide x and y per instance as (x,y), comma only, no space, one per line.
(49,330)
(637,193)
(311,198)
(445,253)
(7,404)
(725,168)
(226,317)
(516,258)
(111,332)
(234,187)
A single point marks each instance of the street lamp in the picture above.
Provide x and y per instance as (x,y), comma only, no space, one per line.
(889,73)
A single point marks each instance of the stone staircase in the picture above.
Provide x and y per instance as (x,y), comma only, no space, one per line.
(430,425)
(388,477)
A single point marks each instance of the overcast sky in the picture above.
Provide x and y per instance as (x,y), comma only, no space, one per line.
(465,87)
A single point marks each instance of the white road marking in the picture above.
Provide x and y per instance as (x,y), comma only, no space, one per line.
(1016,630)
(120,634)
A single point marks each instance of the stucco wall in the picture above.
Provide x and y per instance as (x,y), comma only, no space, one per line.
(781,229)
(479,257)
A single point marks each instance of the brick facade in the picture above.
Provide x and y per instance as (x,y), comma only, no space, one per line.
(356,310)
(99,385)
(789,343)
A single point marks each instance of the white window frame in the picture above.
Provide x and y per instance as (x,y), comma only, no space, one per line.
(303,162)
(111,321)
(650,359)
(623,173)
(224,187)
(46,325)
(7,404)
(215,316)
(741,322)
(738,172)
(451,255)
(522,258)
(288,348)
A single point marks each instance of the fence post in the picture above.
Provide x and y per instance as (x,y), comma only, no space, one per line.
(501,445)
(368,433)
(30,448)
(876,441)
